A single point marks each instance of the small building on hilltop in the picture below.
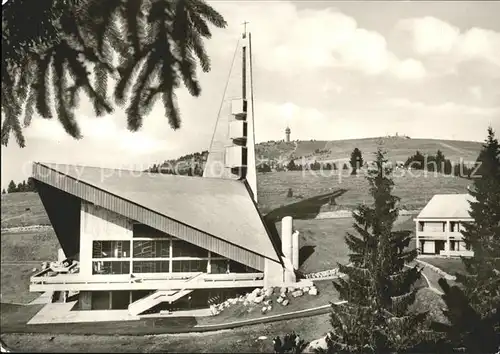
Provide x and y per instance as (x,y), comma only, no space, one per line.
(439,226)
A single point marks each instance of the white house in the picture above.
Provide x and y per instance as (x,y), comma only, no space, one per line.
(439,225)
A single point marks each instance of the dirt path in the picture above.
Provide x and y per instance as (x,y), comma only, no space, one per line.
(462,152)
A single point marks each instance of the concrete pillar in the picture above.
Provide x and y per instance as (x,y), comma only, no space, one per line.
(286,237)
(447,232)
(273,273)
(295,249)
(289,273)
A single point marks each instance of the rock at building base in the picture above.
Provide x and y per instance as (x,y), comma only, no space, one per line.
(258,299)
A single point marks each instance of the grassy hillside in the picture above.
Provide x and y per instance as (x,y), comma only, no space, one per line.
(398,148)
(23,209)
(415,189)
(21,253)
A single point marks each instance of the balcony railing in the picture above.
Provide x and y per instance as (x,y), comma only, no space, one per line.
(140,281)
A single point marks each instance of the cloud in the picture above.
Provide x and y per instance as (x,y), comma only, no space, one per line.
(410,69)
(448,108)
(476,91)
(290,41)
(101,130)
(434,37)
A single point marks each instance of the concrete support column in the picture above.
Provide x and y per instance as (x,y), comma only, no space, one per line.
(447,248)
(273,273)
(286,237)
(295,249)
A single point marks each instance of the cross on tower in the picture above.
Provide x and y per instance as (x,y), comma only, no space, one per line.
(245,28)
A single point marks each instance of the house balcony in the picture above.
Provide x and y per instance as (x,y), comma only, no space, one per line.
(439,235)
(48,281)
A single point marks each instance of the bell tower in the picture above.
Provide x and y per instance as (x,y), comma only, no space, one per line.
(232,150)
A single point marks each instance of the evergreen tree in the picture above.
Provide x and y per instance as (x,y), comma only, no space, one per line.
(19,187)
(481,282)
(291,166)
(11,188)
(31,185)
(379,288)
(356,160)
(440,159)
(3,191)
(466,329)
(158,44)
(24,186)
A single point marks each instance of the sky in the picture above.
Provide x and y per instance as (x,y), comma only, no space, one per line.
(329,70)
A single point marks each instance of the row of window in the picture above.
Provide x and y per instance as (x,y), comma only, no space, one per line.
(455,226)
(146,249)
(183,266)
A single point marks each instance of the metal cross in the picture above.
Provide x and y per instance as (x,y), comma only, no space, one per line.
(245,26)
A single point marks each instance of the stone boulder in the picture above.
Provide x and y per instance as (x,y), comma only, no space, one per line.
(313,291)
(258,299)
(315,345)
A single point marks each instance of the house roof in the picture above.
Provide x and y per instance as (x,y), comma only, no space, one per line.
(219,207)
(443,206)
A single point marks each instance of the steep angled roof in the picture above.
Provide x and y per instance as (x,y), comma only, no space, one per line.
(442,206)
(219,207)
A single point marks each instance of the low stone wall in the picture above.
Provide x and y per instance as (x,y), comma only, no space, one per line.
(437,270)
(330,273)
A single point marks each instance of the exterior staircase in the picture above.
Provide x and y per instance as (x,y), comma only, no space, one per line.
(159,296)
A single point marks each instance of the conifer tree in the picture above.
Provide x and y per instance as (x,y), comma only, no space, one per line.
(12,188)
(466,329)
(356,160)
(72,47)
(481,282)
(379,288)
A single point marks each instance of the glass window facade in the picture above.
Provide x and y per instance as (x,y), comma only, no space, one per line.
(158,252)
(150,266)
(218,266)
(182,248)
(186,266)
(152,249)
(110,267)
(235,267)
(110,249)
